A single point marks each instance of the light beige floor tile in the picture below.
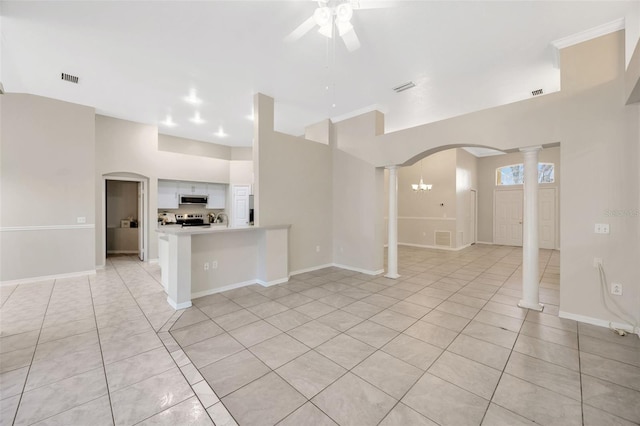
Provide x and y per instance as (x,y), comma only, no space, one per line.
(604,333)
(116,349)
(340,320)
(220,308)
(345,350)
(612,398)
(393,320)
(313,333)
(315,309)
(546,351)
(307,415)
(288,320)
(311,373)
(478,350)
(498,416)
(212,350)
(510,310)
(19,341)
(467,374)
(94,413)
(424,300)
(446,320)
(50,370)
(432,334)
(610,370)
(278,350)
(412,351)
(254,333)
(12,382)
(498,320)
(294,300)
(362,309)
(138,368)
(189,412)
(236,319)
(550,334)
(61,396)
(457,309)
(545,374)
(372,334)
(265,401)
(402,415)
(67,329)
(191,373)
(466,300)
(125,329)
(594,417)
(444,403)
(552,321)
(149,397)
(252,299)
(337,300)
(491,334)
(205,394)
(8,409)
(220,415)
(352,401)
(197,332)
(410,309)
(16,359)
(267,309)
(618,352)
(536,403)
(233,372)
(388,374)
(66,346)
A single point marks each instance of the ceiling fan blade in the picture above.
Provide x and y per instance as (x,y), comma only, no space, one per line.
(351,40)
(302,29)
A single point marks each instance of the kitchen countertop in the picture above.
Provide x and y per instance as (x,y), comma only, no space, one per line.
(213,229)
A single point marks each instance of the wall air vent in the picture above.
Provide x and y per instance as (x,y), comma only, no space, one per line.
(537,92)
(442,238)
(403,87)
(70,78)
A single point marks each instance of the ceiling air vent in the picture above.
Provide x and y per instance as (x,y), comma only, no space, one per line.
(70,78)
(403,87)
(537,92)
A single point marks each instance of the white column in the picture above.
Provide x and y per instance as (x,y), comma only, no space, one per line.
(392,252)
(530,273)
(179,271)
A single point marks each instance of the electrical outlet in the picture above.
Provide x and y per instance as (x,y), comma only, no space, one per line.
(214,264)
(601,228)
(318,249)
(597,261)
(81,219)
(616,289)
(206,266)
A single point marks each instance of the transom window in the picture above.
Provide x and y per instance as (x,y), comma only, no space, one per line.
(514,174)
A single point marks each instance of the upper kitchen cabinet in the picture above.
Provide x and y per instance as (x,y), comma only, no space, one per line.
(217,196)
(168,196)
(193,188)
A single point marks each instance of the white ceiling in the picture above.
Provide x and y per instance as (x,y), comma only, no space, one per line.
(139,60)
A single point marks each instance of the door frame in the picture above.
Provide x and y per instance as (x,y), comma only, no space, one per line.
(144,182)
(475,216)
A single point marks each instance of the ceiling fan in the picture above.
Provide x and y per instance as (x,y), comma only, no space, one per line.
(334,16)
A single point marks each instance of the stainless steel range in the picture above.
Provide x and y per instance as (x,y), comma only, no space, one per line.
(191,219)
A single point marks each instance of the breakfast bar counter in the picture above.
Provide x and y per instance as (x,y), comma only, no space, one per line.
(198,261)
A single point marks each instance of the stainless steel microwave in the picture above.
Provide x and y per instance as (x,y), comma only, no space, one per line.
(194,199)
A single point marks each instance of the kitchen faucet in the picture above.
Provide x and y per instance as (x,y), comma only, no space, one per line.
(219,219)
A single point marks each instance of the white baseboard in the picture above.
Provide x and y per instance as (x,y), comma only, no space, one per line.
(274,282)
(484,242)
(362,271)
(47,278)
(221,289)
(154,260)
(178,306)
(597,321)
(313,268)
(122,251)
(434,247)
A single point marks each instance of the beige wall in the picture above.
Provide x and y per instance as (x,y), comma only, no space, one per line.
(187,146)
(487,186)
(46,180)
(293,186)
(122,201)
(599,152)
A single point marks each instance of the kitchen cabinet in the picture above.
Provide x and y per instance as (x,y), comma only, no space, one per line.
(168,197)
(217,196)
(192,188)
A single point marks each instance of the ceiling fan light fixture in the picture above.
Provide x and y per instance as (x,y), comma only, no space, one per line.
(322,16)
(327,30)
(344,27)
(344,13)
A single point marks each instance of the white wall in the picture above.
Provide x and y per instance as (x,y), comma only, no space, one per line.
(466,180)
(46,180)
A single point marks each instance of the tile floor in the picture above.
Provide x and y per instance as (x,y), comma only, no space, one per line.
(445,344)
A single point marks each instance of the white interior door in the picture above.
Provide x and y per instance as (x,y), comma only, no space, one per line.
(547,218)
(141,221)
(507,226)
(240,203)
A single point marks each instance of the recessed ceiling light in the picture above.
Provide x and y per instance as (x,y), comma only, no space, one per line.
(249,117)
(196,118)
(169,122)
(192,98)
(220,133)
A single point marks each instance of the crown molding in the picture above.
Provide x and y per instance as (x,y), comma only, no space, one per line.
(589,34)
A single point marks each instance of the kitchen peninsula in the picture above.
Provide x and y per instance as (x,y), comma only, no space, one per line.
(196,262)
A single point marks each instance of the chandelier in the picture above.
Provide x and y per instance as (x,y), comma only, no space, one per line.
(421,186)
